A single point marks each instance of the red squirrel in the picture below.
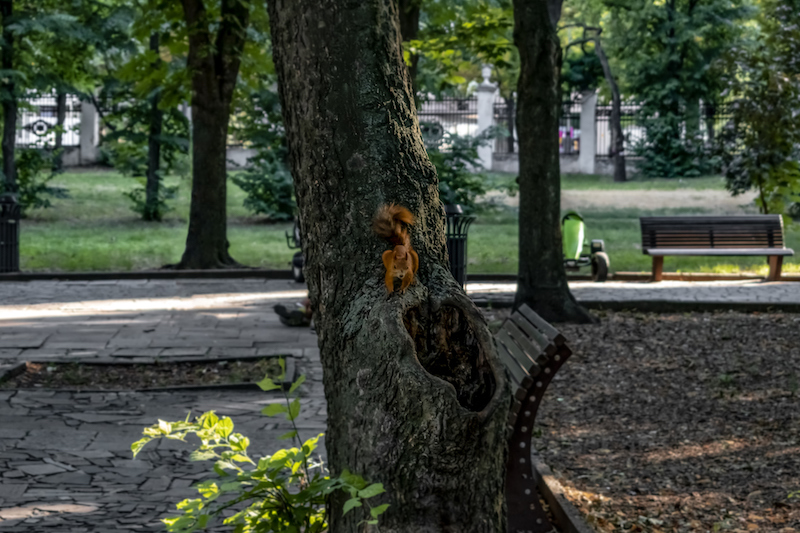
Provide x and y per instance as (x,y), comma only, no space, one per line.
(391,222)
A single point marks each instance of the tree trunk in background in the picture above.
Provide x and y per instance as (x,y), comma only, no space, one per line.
(409,28)
(542,280)
(9,100)
(710,116)
(417,398)
(214,63)
(61,117)
(152,209)
(510,117)
(617,136)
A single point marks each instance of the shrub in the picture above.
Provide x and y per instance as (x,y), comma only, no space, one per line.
(34,172)
(267,180)
(287,491)
(457,165)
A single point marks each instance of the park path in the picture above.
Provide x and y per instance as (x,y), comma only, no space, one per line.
(711,200)
(65,461)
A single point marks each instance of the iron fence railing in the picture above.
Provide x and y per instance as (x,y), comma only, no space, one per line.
(448,115)
(37,118)
(569,127)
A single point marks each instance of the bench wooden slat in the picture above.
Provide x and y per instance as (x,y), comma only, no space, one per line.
(537,336)
(551,332)
(505,344)
(745,235)
(534,356)
(719,251)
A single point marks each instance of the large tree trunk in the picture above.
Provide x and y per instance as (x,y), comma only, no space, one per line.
(9,99)
(152,209)
(542,280)
(617,137)
(214,61)
(417,398)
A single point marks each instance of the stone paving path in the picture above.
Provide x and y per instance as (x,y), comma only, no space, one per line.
(65,461)
(711,292)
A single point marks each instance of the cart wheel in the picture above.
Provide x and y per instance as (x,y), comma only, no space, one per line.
(600,264)
(297,267)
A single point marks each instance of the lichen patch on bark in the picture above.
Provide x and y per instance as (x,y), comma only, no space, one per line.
(446,346)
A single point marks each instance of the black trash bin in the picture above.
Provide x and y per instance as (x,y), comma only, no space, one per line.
(9,233)
(457,227)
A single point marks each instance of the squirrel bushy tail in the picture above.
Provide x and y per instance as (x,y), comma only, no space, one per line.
(391,223)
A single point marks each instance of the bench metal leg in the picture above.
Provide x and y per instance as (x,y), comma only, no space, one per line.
(658,267)
(775,265)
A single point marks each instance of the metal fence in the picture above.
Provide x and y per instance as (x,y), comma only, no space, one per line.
(505,116)
(569,127)
(37,118)
(569,124)
(448,115)
(712,119)
(632,129)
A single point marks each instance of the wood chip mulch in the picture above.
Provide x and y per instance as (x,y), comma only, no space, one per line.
(679,422)
(141,376)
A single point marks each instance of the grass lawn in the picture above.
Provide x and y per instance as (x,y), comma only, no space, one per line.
(95,229)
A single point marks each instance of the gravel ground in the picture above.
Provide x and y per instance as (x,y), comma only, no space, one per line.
(678,422)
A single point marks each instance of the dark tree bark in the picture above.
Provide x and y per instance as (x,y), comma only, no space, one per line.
(214,65)
(510,116)
(61,117)
(9,98)
(417,398)
(152,210)
(617,136)
(409,29)
(542,280)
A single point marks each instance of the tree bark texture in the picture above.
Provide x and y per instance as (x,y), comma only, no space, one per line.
(542,280)
(9,99)
(214,65)
(617,136)
(417,398)
(152,210)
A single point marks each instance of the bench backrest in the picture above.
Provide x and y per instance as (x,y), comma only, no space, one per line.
(532,350)
(745,231)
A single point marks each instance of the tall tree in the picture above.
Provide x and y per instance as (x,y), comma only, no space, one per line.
(542,280)
(152,210)
(9,96)
(216,43)
(414,387)
(592,35)
(670,48)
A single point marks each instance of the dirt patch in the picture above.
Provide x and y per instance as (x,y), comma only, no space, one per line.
(678,423)
(127,377)
(707,199)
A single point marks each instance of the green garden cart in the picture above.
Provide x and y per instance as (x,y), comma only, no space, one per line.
(573,240)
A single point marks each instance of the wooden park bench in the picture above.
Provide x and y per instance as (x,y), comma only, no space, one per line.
(715,235)
(532,350)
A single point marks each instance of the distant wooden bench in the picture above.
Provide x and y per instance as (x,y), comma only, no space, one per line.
(532,350)
(715,235)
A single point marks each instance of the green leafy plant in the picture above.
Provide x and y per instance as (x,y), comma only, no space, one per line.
(760,144)
(267,180)
(287,491)
(34,173)
(154,211)
(457,165)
